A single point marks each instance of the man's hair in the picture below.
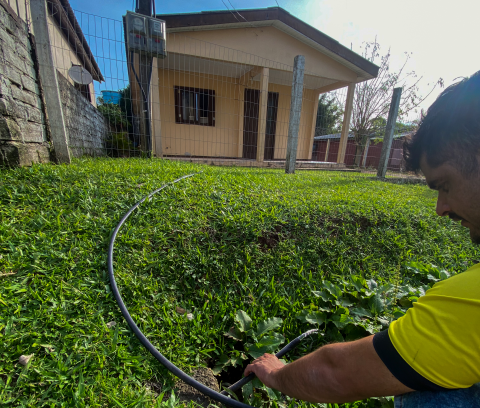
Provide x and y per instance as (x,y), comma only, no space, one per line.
(450,131)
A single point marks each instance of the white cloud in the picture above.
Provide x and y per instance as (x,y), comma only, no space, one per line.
(442,36)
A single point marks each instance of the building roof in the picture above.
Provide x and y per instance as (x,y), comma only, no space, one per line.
(350,136)
(279,18)
(63,14)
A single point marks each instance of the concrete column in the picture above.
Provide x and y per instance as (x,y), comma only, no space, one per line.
(328,150)
(241,114)
(48,80)
(365,153)
(316,95)
(155,114)
(342,148)
(389,130)
(262,117)
(295,113)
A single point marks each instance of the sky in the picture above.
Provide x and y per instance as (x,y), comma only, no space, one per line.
(442,36)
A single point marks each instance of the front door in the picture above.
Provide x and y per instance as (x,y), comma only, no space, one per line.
(250,124)
(272,108)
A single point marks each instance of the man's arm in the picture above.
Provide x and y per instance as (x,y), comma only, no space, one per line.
(341,372)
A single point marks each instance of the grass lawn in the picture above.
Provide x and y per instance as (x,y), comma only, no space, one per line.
(341,252)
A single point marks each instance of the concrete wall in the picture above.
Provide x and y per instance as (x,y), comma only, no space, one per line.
(23,138)
(87,129)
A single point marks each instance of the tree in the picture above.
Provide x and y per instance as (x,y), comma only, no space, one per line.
(329,116)
(372,98)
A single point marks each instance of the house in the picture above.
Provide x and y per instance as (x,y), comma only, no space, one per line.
(68,43)
(224,89)
(325,149)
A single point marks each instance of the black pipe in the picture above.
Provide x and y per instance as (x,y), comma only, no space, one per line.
(220,397)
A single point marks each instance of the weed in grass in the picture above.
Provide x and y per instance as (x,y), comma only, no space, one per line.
(307,248)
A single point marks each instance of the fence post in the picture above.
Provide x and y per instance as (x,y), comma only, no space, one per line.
(389,130)
(295,113)
(48,80)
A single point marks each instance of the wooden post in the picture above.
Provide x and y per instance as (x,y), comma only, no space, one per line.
(48,80)
(316,95)
(328,150)
(389,130)
(295,113)
(262,117)
(342,148)
(365,153)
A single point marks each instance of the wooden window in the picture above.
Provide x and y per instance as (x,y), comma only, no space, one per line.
(84,90)
(194,106)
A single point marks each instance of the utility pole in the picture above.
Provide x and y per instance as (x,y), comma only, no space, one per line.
(389,130)
(144,74)
(295,113)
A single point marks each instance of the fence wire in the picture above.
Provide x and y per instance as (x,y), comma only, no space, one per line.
(206,102)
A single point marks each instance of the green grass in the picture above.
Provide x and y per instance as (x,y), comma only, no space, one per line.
(226,240)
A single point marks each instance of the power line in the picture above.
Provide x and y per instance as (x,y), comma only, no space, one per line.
(236,11)
(225,4)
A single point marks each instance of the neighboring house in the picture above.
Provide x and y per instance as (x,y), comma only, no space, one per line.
(325,149)
(68,43)
(224,89)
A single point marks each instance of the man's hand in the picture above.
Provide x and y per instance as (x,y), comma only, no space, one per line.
(339,373)
(265,368)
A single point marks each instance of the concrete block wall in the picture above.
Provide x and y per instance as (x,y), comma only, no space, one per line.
(23,137)
(87,129)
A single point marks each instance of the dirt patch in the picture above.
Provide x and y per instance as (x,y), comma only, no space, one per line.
(187,393)
(268,240)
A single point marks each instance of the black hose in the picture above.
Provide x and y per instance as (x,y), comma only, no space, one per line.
(220,397)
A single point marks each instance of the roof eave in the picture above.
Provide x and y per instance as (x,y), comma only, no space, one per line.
(281,19)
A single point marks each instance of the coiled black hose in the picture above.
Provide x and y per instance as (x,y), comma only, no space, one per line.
(220,397)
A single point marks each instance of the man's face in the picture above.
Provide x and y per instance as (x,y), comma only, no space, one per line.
(458,196)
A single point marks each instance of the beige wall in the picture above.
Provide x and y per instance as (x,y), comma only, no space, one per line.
(264,46)
(180,139)
(226,138)
(63,55)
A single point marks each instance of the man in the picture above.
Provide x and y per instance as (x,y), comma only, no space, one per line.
(431,356)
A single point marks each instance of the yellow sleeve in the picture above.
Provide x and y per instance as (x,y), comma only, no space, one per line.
(439,337)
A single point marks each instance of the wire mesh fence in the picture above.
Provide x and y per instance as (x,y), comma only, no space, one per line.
(204,102)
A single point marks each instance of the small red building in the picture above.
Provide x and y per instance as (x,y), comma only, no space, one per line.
(325,149)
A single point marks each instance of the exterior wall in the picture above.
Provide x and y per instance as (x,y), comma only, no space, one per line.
(283,117)
(266,46)
(63,54)
(23,138)
(222,140)
(184,139)
(87,129)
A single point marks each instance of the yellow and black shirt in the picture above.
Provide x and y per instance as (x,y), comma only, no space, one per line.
(436,345)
